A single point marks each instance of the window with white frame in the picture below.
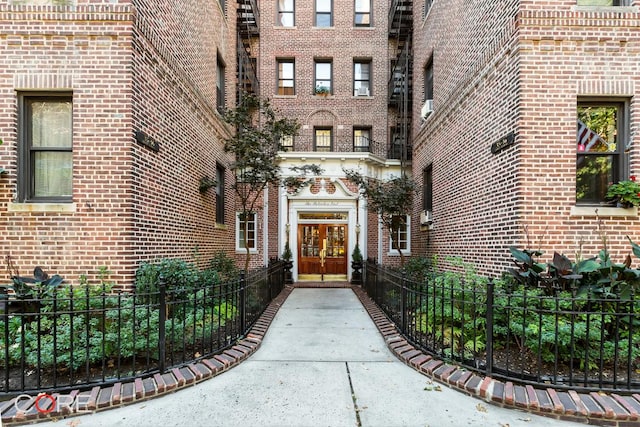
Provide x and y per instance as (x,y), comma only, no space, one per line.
(362,77)
(286,77)
(46,148)
(362,17)
(246,225)
(286,13)
(401,239)
(324,13)
(601,137)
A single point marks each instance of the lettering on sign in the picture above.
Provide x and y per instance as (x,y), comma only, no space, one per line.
(503,143)
(147,141)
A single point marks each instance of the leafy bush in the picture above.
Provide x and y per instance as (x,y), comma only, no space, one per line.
(177,274)
(224,265)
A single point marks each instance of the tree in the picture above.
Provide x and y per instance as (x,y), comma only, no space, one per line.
(255,146)
(392,200)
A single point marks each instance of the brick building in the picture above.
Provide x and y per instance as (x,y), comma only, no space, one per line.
(108,116)
(501,88)
(326,63)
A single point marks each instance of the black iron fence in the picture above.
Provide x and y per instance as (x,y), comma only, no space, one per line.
(567,339)
(82,336)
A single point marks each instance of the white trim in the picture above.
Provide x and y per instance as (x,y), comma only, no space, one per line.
(603,211)
(42,207)
(405,252)
(239,249)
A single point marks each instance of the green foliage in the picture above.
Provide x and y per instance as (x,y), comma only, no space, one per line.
(627,193)
(576,326)
(286,254)
(599,276)
(224,266)
(453,315)
(206,183)
(356,256)
(177,274)
(255,146)
(391,199)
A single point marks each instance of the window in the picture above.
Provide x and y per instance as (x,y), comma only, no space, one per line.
(322,139)
(601,135)
(362,16)
(428,80)
(401,238)
(324,75)
(220,172)
(286,13)
(604,2)
(246,228)
(362,78)
(427,188)
(324,14)
(286,143)
(220,80)
(46,148)
(286,77)
(361,139)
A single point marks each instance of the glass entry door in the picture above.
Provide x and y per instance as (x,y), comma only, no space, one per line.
(322,249)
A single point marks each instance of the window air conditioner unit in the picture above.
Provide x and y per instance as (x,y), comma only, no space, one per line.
(361,91)
(426,218)
(427,109)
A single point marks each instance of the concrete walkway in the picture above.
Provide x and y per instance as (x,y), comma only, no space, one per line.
(321,363)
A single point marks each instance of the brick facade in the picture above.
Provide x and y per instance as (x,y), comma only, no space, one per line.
(130,66)
(520,67)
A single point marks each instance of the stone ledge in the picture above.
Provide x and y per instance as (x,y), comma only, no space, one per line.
(606,409)
(140,389)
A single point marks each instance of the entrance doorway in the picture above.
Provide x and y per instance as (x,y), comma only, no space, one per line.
(322,252)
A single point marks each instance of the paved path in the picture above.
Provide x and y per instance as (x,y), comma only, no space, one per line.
(322,363)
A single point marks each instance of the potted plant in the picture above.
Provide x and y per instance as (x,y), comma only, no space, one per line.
(206,183)
(625,193)
(356,265)
(322,91)
(287,257)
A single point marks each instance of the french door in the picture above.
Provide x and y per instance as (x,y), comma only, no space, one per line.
(322,249)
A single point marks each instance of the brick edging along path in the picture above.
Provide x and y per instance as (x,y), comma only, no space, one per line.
(604,409)
(590,408)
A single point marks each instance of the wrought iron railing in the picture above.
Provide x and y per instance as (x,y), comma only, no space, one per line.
(568,339)
(82,336)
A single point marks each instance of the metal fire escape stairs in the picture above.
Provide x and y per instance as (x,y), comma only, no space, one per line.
(248,32)
(400,86)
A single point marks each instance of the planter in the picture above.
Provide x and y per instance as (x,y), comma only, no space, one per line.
(288,275)
(356,276)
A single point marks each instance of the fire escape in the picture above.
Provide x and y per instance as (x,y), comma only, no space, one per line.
(401,80)
(248,33)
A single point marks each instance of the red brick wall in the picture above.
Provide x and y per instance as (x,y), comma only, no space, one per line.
(342,44)
(501,69)
(131,204)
